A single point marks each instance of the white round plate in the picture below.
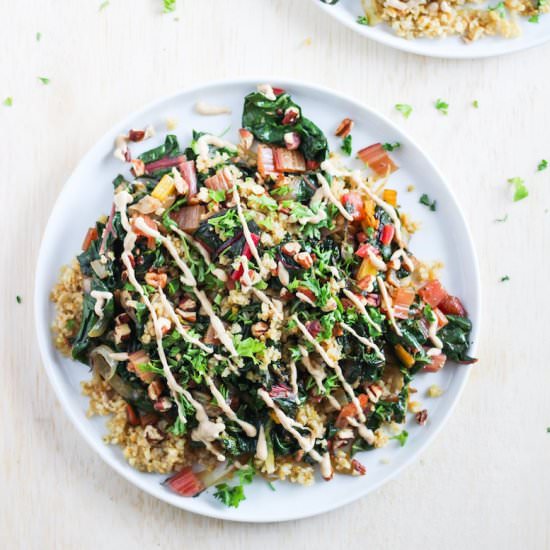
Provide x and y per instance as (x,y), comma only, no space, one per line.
(444,236)
(452,47)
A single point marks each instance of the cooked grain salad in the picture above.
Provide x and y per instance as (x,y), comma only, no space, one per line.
(254,309)
(440,18)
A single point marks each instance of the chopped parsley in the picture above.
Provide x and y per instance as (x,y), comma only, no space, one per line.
(264,201)
(103,5)
(363,20)
(404,109)
(233,496)
(346,145)
(44,80)
(500,8)
(226,223)
(391,146)
(475,104)
(249,347)
(505,278)
(401,437)
(8,102)
(38,36)
(169,6)
(217,195)
(18,299)
(503,219)
(543,165)
(534,18)
(70,324)
(442,106)
(520,191)
(432,205)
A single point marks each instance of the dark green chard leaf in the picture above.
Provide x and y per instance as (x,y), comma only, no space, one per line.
(170,148)
(456,339)
(263,117)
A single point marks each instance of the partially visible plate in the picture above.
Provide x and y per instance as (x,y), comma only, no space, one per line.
(452,47)
(444,236)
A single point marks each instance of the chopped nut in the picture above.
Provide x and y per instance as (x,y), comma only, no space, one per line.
(374,392)
(291,115)
(154,390)
(358,468)
(303,259)
(189,316)
(122,333)
(156,280)
(331,305)
(292,140)
(152,434)
(344,128)
(138,167)
(187,304)
(421,417)
(259,329)
(163,404)
(136,135)
(291,248)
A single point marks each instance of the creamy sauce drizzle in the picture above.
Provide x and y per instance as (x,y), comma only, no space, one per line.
(387,304)
(248,429)
(246,231)
(362,309)
(329,195)
(205,141)
(332,364)
(317,372)
(261,445)
(289,425)
(432,333)
(369,343)
(101,298)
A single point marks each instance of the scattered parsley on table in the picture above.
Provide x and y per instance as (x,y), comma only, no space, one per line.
(8,102)
(169,6)
(401,438)
(38,36)
(475,104)
(520,190)
(362,20)
(543,165)
(404,109)
(44,80)
(505,278)
(500,8)
(18,299)
(103,5)
(432,205)
(442,106)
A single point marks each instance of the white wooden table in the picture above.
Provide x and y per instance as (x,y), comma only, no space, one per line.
(485,482)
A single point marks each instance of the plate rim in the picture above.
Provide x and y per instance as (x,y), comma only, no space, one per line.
(44,333)
(411,46)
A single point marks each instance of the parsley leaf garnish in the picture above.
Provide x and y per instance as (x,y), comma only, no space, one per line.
(103,5)
(18,299)
(169,6)
(505,278)
(264,201)
(217,195)
(44,80)
(38,36)
(520,191)
(475,104)
(391,146)
(404,109)
(226,223)
(363,20)
(401,437)
(543,165)
(424,199)
(8,102)
(233,496)
(500,8)
(442,106)
(534,18)
(346,145)
(249,347)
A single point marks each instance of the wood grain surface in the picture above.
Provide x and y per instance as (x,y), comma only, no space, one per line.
(485,482)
